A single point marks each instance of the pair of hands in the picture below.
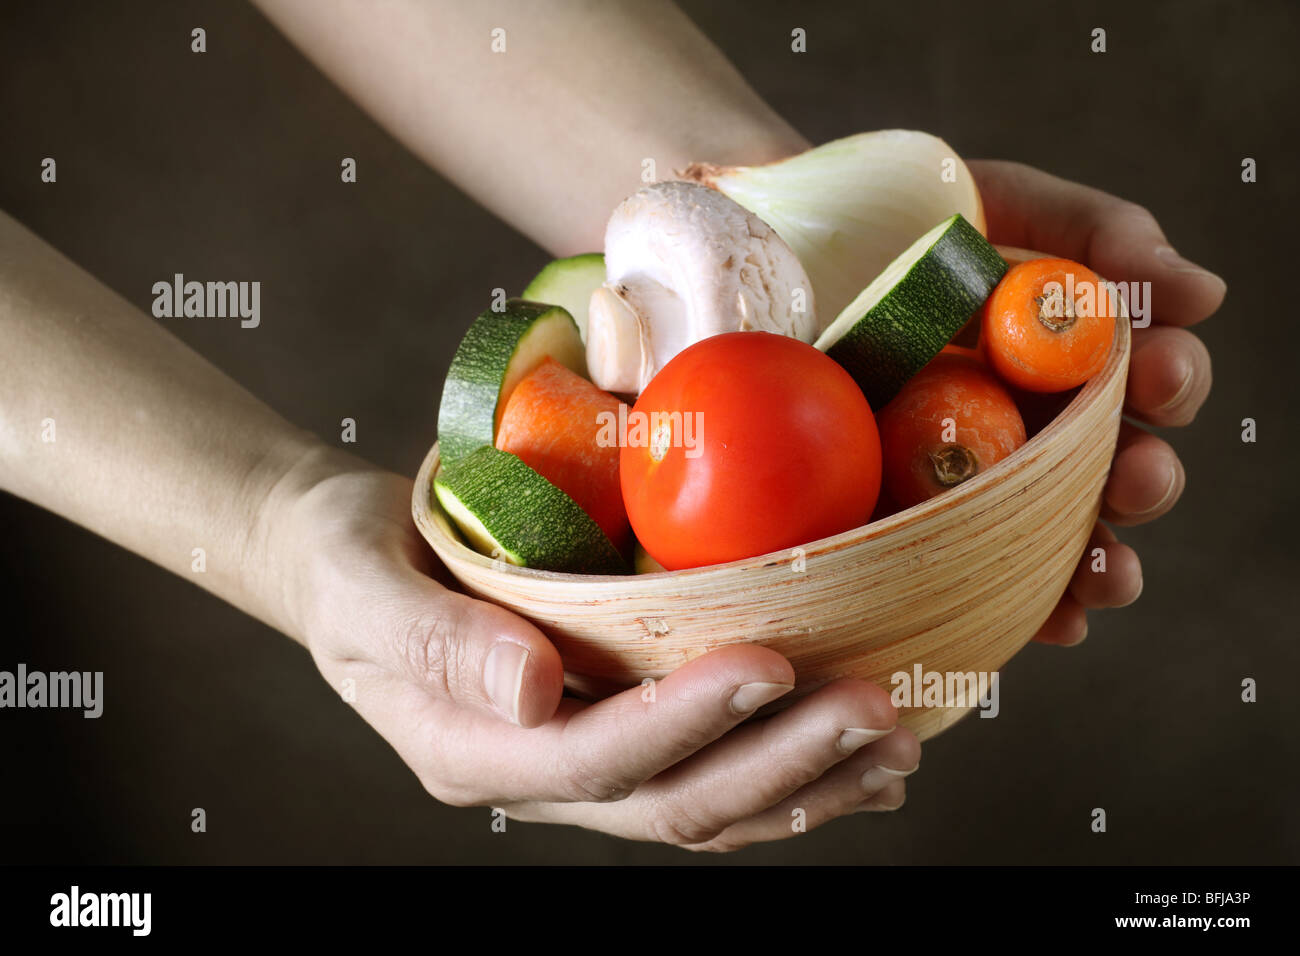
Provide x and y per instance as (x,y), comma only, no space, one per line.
(470,696)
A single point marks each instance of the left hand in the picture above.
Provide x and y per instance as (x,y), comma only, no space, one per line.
(683,767)
(1169,371)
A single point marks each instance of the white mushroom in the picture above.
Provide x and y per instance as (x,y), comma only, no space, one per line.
(683,262)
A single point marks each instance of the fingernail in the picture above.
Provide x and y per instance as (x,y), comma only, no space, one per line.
(877,778)
(1164,499)
(503,676)
(749,697)
(1170,488)
(1184,384)
(1170,257)
(856,737)
(876,806)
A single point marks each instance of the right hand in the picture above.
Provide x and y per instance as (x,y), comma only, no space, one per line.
(469,695)
(1169,368)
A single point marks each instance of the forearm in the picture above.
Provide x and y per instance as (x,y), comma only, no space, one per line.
(112,422)
(552,133)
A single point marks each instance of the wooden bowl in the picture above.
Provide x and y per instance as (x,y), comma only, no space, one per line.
(957,583)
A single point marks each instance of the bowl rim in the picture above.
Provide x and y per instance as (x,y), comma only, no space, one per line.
(435,522)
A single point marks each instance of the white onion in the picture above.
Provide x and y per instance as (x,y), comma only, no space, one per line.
(848,208)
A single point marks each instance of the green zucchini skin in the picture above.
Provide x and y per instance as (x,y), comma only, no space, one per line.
(926,307)
(472,391)
(532,523)
(569,283)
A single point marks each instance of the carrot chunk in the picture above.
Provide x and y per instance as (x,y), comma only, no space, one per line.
(552,421)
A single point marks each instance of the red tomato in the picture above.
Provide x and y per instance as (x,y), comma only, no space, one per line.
(747,443)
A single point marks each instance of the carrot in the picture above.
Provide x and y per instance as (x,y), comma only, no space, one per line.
(1048,325)
(954,349)
(551,422)
(951,421)
(1037,409)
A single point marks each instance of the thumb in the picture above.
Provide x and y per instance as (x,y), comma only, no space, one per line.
(469,652)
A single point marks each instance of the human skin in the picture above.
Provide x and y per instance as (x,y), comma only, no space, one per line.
(667,94)
(162,453)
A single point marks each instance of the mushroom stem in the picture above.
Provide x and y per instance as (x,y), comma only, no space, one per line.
(614,342)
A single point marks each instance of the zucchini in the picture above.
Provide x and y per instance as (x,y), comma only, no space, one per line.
(507,510)
(569,283)
(499,349)
(913,309)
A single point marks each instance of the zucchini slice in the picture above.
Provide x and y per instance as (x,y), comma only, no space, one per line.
(569,283)
(913,309)
(499,349)
(507,510)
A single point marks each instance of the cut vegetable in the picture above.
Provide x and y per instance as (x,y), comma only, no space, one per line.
(499,349)
(569,284)
(850,206)
(564,428)
(506,510)
(914,308)
(683,263)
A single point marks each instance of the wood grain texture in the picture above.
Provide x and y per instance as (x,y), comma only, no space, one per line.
(958,583)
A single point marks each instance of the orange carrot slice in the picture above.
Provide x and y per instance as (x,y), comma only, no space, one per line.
(553,422)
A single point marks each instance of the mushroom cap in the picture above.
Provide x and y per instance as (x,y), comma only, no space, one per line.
(724,262)
(687,262)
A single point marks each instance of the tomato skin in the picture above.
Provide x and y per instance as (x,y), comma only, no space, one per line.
(985,422)
(786,452)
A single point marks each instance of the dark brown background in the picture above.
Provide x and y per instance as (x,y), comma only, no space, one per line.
(226,165)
